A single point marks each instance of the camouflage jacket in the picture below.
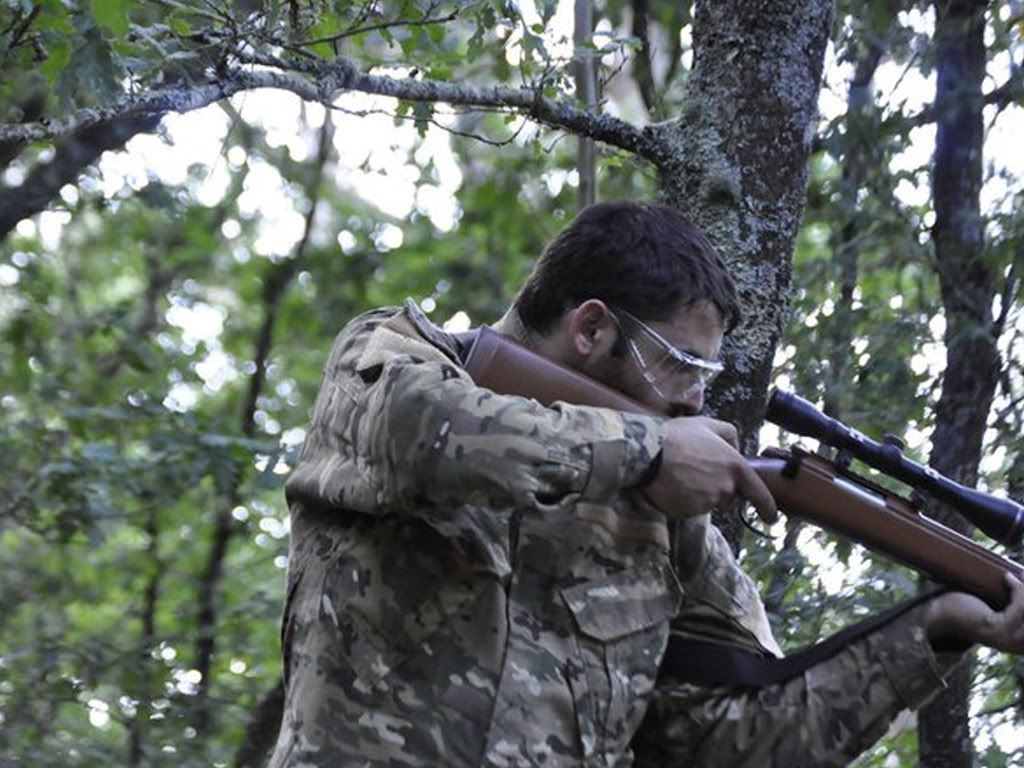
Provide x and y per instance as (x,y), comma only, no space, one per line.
(475,579)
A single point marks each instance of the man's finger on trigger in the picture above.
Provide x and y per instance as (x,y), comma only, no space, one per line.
(756,492)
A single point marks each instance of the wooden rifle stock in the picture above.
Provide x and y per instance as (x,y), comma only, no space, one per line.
(803,484)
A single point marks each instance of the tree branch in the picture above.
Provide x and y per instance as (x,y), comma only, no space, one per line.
(324,82)
(1004,95)
(642,68)
(71,157)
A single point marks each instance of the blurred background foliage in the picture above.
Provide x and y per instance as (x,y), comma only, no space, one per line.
(164,320)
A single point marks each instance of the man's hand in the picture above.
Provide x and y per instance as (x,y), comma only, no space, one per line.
(701,468)
(966,617)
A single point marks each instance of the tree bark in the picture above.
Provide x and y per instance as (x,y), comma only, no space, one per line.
(737,165)
(968,286)
(138,724)
(586,93)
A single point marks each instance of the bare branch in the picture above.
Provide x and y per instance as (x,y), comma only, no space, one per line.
(72,156)
(642,68)
(1001,97)
(323,84)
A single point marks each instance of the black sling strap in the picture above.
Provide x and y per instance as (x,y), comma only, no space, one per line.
(712,664)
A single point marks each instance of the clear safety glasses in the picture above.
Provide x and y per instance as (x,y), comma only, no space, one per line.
(667,369)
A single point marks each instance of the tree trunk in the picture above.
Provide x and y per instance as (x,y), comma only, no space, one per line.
(861,135)
(967,283)
(586,94)
(737,166)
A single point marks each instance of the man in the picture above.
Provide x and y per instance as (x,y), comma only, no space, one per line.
(478,580)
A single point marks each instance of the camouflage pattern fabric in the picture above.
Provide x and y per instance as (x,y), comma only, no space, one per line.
(823,718)
(475,580)
(721,602)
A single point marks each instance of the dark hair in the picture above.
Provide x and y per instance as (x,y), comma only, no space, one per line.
(647,258)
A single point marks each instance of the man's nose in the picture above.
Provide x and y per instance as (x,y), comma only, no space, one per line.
(689,402)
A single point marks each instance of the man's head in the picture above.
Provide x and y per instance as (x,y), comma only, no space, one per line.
(645,258)
(634,295)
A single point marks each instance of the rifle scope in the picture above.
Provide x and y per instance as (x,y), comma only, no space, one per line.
(1002,519)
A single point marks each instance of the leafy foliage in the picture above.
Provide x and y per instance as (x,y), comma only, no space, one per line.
(143,421)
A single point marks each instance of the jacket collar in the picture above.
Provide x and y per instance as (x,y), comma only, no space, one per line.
(512,325)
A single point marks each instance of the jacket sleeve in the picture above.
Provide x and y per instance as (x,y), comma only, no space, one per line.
(398,425)
(825,717)
(722,603)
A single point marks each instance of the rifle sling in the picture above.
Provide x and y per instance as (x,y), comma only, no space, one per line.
(712,664)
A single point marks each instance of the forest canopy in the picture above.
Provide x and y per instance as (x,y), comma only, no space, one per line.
(196,196)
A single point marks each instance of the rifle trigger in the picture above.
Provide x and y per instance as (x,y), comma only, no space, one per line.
(753,529)
(791,467)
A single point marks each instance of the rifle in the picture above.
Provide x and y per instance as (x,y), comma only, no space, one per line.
(826,493)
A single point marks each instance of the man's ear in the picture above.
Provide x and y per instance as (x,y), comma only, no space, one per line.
(591,328)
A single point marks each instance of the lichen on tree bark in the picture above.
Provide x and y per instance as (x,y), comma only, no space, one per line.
(737,165)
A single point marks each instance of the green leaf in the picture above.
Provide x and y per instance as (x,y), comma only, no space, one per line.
(21,6)
(57,56)
(422,112)
(99,453)
(112,14)
(179,24)
(409,45)
(475,45)
(92,77)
